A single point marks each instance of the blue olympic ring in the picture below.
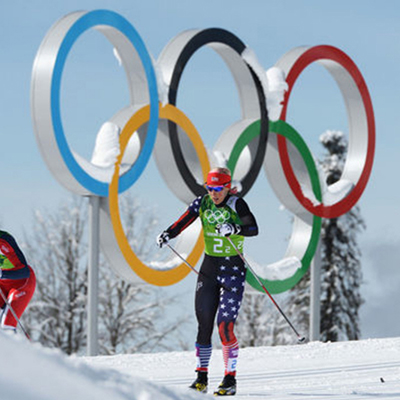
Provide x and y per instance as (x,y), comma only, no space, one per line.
(87,21)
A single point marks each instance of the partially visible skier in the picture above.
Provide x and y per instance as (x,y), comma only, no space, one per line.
(17,281)
(221,280)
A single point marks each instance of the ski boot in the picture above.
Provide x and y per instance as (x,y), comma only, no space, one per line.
(227,386)
(200,384)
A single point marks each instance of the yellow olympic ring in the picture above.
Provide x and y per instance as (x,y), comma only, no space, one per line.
(148,274)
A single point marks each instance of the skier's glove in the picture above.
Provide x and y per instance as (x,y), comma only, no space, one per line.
(228,229)
(162,239)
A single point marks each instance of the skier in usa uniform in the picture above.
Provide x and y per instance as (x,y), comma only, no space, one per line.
(221,280)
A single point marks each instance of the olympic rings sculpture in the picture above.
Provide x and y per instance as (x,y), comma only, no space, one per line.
(177,146)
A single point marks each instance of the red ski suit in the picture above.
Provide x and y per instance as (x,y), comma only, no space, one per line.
(17,280)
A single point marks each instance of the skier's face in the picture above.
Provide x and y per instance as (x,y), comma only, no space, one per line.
(218,197)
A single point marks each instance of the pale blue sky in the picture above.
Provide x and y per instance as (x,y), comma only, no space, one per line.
(368,31)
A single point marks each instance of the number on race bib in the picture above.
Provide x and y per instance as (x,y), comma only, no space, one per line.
(218,245)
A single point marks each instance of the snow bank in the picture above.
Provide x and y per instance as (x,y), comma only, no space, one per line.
(31,372)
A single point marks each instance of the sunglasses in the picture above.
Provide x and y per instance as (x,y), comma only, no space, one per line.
(216,188)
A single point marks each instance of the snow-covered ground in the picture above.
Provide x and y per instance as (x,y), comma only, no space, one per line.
(348,370)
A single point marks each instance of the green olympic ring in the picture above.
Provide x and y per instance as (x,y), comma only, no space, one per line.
(284,129)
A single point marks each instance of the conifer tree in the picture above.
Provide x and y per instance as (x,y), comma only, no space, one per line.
(340,256)
(341,275)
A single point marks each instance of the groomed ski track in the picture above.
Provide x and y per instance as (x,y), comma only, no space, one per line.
(345,370)
(322,383)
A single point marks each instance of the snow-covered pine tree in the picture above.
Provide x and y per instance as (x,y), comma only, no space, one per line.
(341,275)
(340,256)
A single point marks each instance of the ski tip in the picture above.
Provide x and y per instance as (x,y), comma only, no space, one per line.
(301,340)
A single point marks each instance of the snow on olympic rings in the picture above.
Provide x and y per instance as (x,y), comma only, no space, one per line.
(182,159)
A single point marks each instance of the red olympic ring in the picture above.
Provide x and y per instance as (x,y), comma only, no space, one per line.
(329,53)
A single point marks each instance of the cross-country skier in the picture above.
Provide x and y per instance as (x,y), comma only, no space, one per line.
(17,281)
(221,280)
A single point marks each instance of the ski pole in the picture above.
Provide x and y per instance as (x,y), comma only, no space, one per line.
(300,339)
(176,253)
(13,313)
